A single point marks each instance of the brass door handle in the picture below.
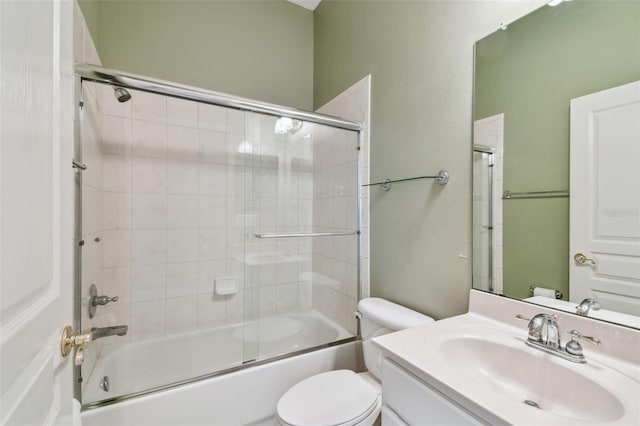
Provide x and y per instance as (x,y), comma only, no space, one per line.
(69,339)
(581,259)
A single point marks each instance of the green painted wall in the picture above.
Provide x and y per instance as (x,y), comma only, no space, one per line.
(420,57)
(531,72)
(91,12)
(258,49)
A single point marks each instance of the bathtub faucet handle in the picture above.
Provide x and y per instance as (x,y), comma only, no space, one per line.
(95,300)
(103,300)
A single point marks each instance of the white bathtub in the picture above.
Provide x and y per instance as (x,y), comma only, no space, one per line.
(245,397)
(146,364)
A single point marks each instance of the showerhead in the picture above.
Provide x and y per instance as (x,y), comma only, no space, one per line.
(121,94)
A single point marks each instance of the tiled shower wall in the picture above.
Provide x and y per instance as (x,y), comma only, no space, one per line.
(181,187)
(335,199)
(172,187)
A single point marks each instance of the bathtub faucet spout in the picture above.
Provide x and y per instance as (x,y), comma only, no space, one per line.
(116,330)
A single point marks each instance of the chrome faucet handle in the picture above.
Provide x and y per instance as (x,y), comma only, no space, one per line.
(103,300)
(536,325)
(95,300)
(522,317)
(574,347)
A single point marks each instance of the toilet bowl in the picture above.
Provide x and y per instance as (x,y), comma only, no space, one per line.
(343,397)
(339,397)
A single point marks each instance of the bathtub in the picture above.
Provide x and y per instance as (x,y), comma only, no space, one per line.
(244,397)
(141,365)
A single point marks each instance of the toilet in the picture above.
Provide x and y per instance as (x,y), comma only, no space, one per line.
(343,397)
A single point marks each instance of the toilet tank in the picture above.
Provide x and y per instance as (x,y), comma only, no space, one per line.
(379,316)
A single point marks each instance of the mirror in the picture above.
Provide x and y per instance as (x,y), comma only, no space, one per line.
(548,87)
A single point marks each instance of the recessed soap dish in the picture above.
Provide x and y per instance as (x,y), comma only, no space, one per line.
(226,285)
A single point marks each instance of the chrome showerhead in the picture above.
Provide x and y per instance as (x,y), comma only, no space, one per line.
(121,94)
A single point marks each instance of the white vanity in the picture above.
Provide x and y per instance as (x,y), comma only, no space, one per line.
(477,369)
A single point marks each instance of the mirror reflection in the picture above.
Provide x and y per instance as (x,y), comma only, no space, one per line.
(556,159)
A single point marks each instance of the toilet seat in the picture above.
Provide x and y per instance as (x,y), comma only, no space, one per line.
(339,397)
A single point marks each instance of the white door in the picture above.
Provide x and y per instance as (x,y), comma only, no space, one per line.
(36,218)
(605,198)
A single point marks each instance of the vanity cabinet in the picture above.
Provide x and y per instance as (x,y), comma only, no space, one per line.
(407,400)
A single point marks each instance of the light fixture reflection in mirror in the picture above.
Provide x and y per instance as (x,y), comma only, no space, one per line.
(529,73)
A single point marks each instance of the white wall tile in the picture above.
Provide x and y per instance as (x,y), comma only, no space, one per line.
(92,208)
(235,308)
(212,117)
(116,135)
(182,143)
(182,313)
(149,246)
(212,146)
(182,245)
(116,210)
(116,248)
(149,211)
(238,149)
(212,179)
(149,175)
(287,297)
(212,211)
(116,173)
(182,177)
(235,121)
(212,243)
(211,310)
(148,106)
(148,318)
(182,279)
(182,211)
(304,295)
(149,138)
(148,282)
(182,112)
(268,300)
(116,282)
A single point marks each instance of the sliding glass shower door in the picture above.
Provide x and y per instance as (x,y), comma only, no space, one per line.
(301,251)
(212,238)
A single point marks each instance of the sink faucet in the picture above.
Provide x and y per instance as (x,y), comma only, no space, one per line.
(550,342)
(536,325)
(116,330)
(586,304)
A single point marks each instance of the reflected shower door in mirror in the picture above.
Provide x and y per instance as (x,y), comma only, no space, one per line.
(528,74)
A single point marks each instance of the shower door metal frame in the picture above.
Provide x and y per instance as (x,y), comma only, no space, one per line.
(92,73)
(490,228)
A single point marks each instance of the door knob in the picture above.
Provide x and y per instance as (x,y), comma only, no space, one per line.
(581,259)
(69,339)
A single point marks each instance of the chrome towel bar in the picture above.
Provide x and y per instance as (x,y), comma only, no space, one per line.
(507,195)
(442,178)
(304,235)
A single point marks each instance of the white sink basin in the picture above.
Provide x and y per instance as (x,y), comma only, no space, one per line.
(521,374)
(485,366)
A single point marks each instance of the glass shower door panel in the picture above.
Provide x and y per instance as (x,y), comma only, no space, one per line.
(302,248)
(163,230)
(482,200)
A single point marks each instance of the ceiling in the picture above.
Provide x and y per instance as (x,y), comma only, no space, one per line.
(307,4)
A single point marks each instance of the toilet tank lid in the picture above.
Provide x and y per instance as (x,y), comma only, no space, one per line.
(391,315)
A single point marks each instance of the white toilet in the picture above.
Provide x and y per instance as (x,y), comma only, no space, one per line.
(343,397)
